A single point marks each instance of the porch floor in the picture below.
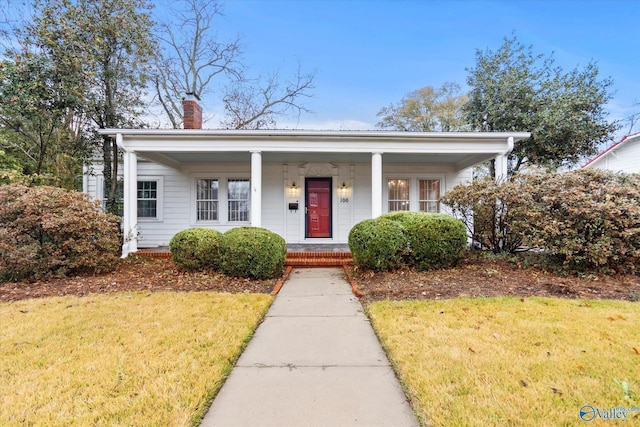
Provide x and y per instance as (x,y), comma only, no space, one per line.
(298,255)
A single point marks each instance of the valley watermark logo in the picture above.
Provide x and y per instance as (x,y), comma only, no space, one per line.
(590,413)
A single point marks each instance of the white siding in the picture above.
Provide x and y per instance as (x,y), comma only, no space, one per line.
(361,194)
(176,202)
(91,180)
(623,159)
(274,217)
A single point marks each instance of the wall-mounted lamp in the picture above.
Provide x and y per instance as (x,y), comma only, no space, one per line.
(343,189)
(293,190)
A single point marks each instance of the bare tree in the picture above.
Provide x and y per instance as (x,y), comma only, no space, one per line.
(194,57)
(633,120)
(256,105)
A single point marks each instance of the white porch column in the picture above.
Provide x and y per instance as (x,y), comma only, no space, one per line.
(502,161)
(130,208)
(376,184)
(501,167)
(256,189)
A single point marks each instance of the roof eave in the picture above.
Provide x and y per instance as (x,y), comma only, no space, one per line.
(320,134)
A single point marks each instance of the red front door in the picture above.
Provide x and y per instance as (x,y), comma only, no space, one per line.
(318,200)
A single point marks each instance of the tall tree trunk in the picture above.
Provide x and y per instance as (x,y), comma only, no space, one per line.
(492,168)
(110,147)
(107,173)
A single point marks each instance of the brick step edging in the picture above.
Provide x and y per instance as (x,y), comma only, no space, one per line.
(296,259)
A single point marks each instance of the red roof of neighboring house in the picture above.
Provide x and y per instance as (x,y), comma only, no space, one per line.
(608,150)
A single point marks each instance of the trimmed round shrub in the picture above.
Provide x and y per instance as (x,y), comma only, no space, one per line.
(196,249)
(406,218)
(377,244)
(435,240)
(252,252)
(51,231)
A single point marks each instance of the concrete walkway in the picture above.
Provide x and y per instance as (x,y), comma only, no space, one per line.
(314,361)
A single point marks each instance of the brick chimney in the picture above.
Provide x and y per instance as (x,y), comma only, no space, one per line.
(192,112)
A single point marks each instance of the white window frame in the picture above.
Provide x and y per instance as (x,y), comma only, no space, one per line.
(223,199)
(159,197)
(408,200)
(414,188)
(229,200)
(437,201)
(194,203)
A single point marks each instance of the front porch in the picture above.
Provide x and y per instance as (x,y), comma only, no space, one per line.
(298,184)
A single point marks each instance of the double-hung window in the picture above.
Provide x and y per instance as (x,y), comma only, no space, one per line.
(398,195)
(147,199)
(238,191)
(429,195)
(207,199)
(222,200)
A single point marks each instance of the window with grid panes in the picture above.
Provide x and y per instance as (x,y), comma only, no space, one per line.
(238,199)
(147,199)
(207,199)
(429,196)
(398,195)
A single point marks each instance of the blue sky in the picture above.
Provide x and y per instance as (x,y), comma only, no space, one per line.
(368,54)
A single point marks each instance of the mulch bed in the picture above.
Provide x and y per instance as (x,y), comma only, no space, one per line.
(134,274)
(473,277)
(477,277)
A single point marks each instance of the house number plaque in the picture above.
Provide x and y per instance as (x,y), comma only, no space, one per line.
(344,200)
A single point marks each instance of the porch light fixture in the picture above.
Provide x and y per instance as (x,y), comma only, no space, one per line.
(343,188)
(293,190)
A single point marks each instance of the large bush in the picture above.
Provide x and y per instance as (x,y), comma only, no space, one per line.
(434,240)
(48,230)
(252,252)
(494,213)
(196,249)
(378,244)
(588,218)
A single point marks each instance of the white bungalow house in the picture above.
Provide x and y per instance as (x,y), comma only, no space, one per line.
(622,156)
(306,186)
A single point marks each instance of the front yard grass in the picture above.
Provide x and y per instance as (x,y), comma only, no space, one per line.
(120,359)
(513,361)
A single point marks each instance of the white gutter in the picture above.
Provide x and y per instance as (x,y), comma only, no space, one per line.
(316,134)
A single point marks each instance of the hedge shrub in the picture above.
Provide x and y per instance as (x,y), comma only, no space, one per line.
(252,252)
(51,231)
(406,218)
(378,244)
(495,214)
(434,240)
(589,219)
(196,249)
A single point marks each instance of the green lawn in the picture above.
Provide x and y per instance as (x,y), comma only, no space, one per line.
(135,359)
(507,361)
